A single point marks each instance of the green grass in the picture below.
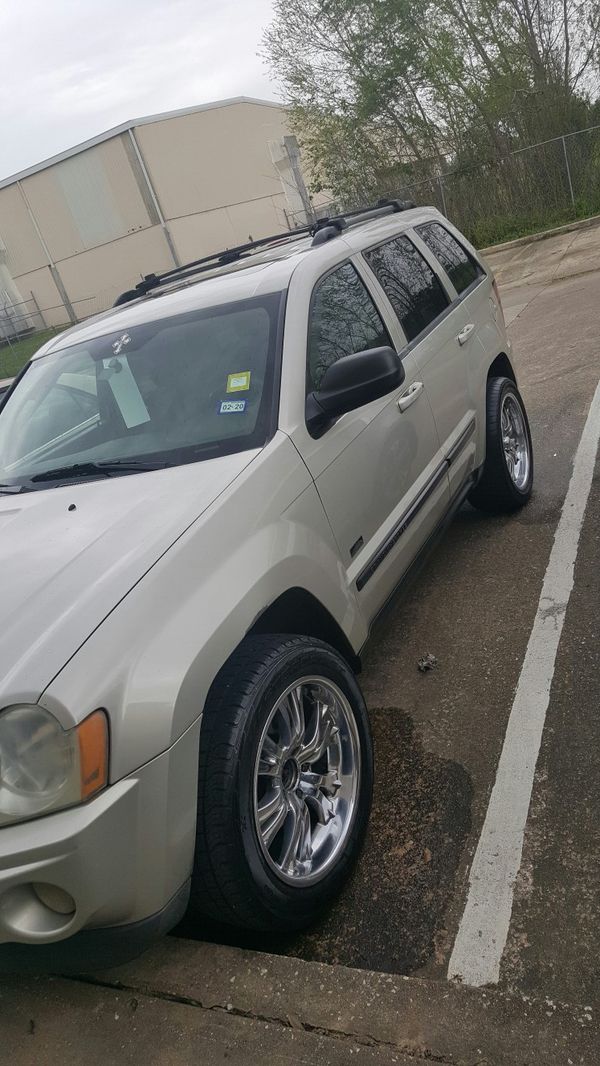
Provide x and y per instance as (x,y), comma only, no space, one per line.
(13,356)
(495,230)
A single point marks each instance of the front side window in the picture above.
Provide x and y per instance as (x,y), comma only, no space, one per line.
(343,320)
(178,390)
(410,284)
(460,267)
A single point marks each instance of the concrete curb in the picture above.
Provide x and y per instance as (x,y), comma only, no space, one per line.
(571,227)
(69,1023)
(427,1019)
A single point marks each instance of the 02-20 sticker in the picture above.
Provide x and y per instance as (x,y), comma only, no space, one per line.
(232,407)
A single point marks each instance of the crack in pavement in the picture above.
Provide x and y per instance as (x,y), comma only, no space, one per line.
(410,1048)
(287,1021)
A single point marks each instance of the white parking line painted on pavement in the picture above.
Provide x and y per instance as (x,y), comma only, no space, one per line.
(484,925)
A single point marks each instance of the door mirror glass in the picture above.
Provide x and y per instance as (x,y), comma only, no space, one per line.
(351,382)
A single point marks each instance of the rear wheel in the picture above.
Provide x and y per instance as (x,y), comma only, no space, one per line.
(507,478)
(285,784)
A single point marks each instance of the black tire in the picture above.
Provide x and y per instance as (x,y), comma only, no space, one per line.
(232,881)
(496,492)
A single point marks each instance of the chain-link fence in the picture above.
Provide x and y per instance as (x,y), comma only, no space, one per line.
(23,328)
(527,190)
(19,318)
(530,188)
(24,325)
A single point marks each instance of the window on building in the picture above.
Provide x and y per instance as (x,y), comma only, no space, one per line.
(414,291)
(460,267)
(343,320)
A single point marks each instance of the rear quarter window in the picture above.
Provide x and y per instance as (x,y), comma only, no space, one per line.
(460,267)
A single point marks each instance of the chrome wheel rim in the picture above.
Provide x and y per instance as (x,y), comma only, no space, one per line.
(515,441)
(306,780)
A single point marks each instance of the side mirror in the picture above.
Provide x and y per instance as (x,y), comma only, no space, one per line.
(351,382)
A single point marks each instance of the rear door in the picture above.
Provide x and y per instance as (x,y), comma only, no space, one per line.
(425,305)
(375,467)
(464,279)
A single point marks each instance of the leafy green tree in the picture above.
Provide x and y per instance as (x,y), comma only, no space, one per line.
(387,93)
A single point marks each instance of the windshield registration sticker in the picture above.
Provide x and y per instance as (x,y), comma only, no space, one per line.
(232,407)
(239,382)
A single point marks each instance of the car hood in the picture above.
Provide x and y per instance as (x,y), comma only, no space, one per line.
(68,555)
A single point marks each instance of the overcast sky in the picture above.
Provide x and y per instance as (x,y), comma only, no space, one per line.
(70,69)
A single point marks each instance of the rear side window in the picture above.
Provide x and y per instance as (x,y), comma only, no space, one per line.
(343,320)
(460,267)
(414,291)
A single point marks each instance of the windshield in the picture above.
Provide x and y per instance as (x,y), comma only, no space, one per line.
(163,393)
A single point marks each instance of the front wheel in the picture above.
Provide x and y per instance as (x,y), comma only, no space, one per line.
(285,784)
(506,481)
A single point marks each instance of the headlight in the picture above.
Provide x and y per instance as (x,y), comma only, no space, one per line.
(44,767)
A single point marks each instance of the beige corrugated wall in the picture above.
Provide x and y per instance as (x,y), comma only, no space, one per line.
(212,159)
(83,229)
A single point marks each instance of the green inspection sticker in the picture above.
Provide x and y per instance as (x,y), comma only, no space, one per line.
(239,382)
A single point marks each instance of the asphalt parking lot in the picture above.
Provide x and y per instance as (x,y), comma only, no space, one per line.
(438,741)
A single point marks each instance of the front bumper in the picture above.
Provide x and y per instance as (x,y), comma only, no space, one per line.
(95,949)
(125,858)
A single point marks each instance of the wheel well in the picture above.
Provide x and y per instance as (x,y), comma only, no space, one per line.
(298,611)
(502,367)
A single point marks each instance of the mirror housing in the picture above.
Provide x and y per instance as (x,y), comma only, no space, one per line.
(351,382)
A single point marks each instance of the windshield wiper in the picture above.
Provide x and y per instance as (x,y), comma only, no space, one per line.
(11,490)
(105,468)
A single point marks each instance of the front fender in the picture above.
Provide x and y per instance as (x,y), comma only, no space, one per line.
(153,660)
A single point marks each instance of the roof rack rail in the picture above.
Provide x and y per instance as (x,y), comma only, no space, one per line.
(324,229)
(328,228)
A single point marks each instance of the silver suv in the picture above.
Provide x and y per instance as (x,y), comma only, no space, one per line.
(207,495)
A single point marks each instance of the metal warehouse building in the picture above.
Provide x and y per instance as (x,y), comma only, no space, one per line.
(79,228)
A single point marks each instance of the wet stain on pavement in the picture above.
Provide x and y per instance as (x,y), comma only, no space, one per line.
(391,914)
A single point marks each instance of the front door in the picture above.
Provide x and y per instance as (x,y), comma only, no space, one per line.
(377,469)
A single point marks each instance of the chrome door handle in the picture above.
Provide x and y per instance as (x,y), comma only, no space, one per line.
(465,333)
(410,395)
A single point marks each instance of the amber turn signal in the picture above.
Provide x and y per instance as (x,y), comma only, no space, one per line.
(92,735)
